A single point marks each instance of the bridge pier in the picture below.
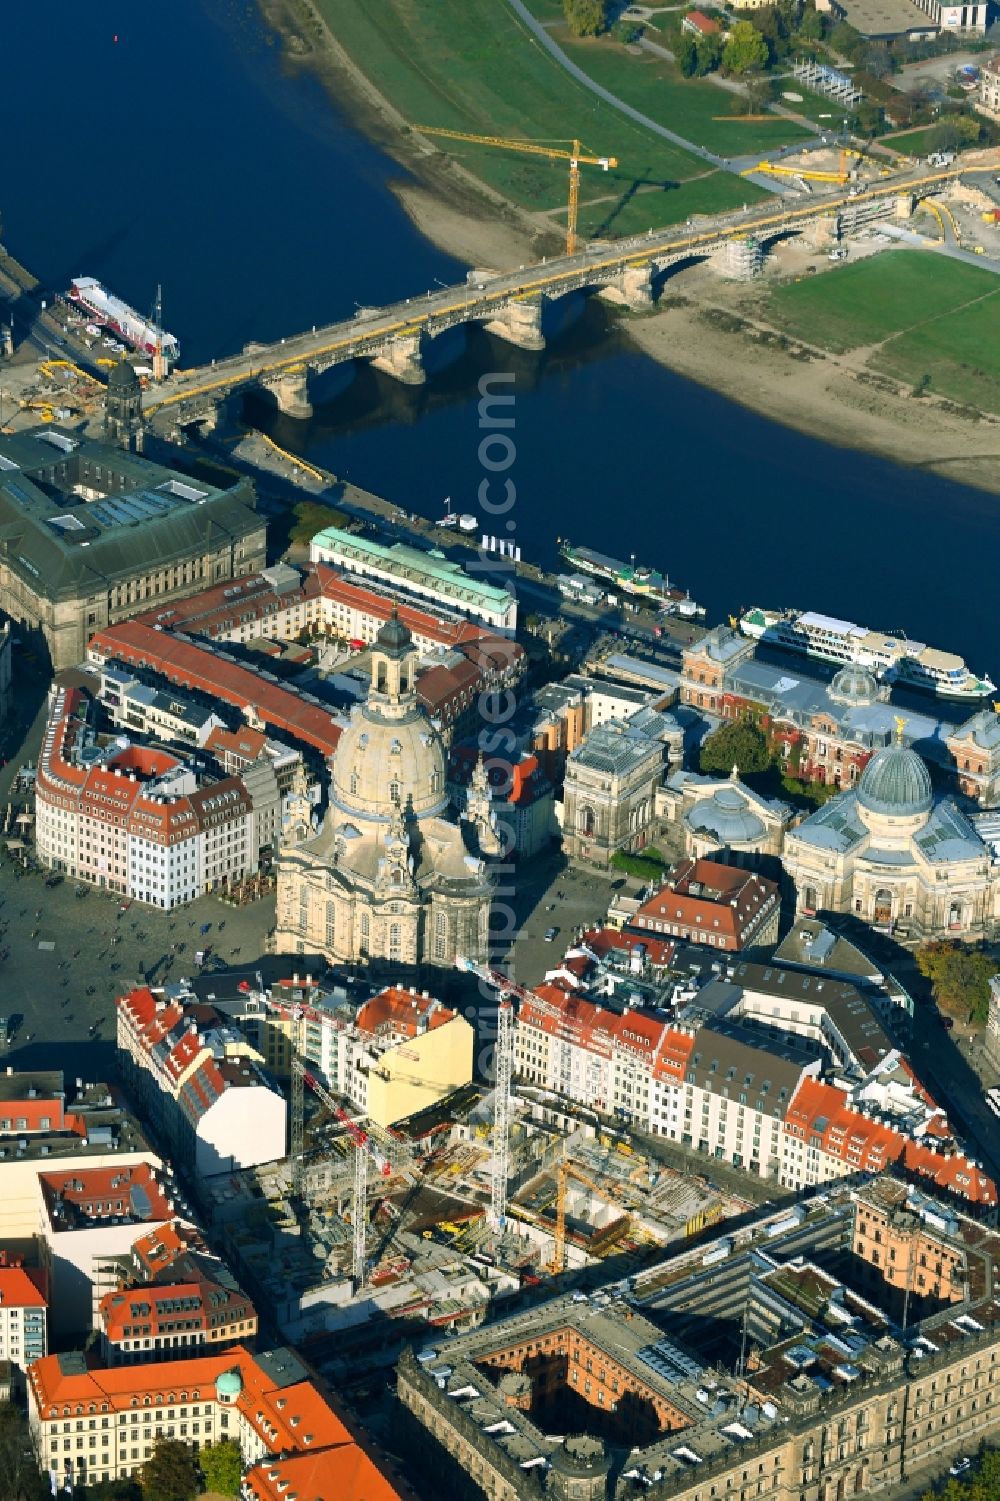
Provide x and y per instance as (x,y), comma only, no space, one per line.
(632,289)
(401,359)
(291,393)
(520,322)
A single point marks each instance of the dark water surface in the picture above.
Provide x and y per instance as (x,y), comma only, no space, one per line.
(187,153)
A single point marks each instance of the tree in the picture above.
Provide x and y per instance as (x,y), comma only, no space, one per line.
(846,40)
(709,49)
(745,50)
(954,132)
(811,25)
(170,1473)
(741,745)
(311,517)
(585,17)
(960,978)
(686,54)
(19,1476)
(222,1467)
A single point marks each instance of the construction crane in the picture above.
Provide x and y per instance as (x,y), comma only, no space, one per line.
(387,1154)
(575,156)
(567,1170)
(503,1073)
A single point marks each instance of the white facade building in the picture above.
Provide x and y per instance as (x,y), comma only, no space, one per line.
(419,573)
(134,819)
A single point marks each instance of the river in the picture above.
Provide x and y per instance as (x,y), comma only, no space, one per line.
(168,142)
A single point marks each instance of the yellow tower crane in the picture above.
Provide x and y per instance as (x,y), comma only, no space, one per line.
(567,1170)
(575,156)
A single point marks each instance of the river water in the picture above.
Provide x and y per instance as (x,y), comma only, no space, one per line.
(168,142)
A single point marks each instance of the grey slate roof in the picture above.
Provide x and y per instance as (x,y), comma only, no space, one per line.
(65,546)
(800,699)
(834,826)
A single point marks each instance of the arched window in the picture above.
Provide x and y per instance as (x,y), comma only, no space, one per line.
(395,940)
(354,783)
(586,820)
(809,899)
(883,905)
(394,791)
(331,923)
(440,934)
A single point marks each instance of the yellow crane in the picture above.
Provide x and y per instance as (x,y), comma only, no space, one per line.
(575,156)
(567,1170)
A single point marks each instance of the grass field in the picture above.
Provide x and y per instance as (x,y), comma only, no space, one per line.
(933,318)
(912,142)
(688,105)
(470,65)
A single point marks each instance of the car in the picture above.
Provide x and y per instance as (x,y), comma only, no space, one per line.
(949,1022)
(960,1466)
(550,934)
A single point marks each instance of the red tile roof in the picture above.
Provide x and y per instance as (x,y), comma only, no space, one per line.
(22,1287)
(397,1011)
(870,1145)
(100,1193)
(189,665)
(210,1305)
(604,941)
(703,898)
(343,1471)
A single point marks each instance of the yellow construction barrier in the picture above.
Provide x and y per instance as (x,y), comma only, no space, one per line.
(294,459)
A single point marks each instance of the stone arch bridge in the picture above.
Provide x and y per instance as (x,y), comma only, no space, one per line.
(508,305)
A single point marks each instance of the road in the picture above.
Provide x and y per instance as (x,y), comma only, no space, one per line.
(949,246)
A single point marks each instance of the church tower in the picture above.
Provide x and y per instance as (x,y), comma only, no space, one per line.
(123,408)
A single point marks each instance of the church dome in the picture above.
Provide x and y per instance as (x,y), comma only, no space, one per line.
(380,762)
(726,815)
(896,783)
(394,638)
(853,685)
(123,375)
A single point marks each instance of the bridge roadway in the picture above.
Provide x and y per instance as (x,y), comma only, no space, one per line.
(509,305)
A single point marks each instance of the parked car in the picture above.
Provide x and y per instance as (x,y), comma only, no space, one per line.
(960,1466)
(550,934)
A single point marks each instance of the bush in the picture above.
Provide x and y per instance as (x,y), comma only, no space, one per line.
(221,1467)
(585,17)
(649,866)
(741,745)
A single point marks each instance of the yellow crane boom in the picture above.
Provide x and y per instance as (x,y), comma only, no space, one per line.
(567,1170)
(576,156)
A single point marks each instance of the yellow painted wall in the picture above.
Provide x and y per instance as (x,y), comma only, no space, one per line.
(402,1084)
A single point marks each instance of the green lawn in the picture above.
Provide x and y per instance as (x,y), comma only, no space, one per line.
(959,352)
(871,300)
(912,142)
(690,106)
(469,65)
(938,318)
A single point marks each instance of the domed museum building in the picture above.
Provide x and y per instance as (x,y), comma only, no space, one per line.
(390,873)
(894,855)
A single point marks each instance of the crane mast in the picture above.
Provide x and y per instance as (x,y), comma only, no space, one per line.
(575,156)
(503,1073)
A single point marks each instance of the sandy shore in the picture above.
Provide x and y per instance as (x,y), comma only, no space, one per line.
(706,331)
(830,397)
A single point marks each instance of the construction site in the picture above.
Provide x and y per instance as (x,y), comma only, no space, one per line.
(481,1199)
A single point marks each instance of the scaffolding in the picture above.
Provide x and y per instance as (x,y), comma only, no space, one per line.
(744,258)
(826,80)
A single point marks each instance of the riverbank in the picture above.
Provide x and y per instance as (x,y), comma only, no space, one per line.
(711,333)
(703,334)
(454,210)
